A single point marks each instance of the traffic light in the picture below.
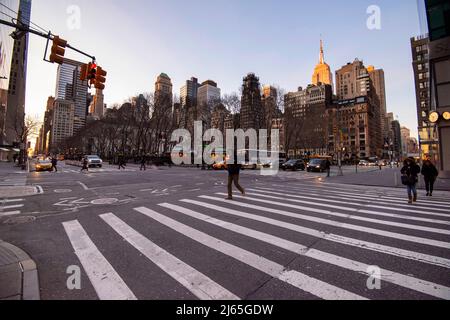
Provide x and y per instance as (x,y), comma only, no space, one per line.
(100,78)
(58,50)
(92,71)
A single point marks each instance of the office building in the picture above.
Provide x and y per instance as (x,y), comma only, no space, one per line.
(15,110)
(62,123)
(322,72)
(69,87)
(252,112)
(208,94)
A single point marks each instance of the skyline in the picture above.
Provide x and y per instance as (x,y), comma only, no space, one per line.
(228,43)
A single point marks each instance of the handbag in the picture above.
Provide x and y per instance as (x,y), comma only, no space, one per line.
(408,180)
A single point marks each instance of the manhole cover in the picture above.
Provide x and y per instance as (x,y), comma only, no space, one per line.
(63,191)
(19,220)
(105,201)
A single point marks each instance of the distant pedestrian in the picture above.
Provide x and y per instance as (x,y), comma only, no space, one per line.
(85,165)
(143,163)
(234,171)
(430,174)
(15,156)
(121,162)
(328,168)
(54,164)
(410,178)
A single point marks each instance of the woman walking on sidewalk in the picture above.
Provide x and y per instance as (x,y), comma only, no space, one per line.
(410,178)
(430,174)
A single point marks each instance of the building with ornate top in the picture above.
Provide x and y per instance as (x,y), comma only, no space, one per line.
(322,72)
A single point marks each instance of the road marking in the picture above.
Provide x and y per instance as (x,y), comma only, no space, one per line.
(12,207)
(376,213)
(406,254)
(346,216)
(85,187)
(200,285)
(11,200)
(10,213)
(315,287)
(393,235)
(105,280)
(409,282)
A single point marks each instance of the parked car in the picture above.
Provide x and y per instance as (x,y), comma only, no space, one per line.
(364,163)
(294,165)
(94,161)
(317,165)
(43,165)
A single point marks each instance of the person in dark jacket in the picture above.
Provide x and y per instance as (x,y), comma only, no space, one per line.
(234,171)
(430,174)
(410,178)
(54,164)
(143,163)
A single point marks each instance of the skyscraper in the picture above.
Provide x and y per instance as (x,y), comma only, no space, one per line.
(69,87)
(188,93)
(15,110)
(379,85)
(208,93)
(252,113)
(163,90)
(322,72)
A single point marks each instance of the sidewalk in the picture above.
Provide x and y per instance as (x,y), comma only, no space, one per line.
(13,182)
(18,274)
(388,177)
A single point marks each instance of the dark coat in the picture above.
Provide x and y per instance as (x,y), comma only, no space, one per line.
(430,171)
(412,171)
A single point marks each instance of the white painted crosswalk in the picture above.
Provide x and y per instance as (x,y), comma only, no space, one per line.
(10,207)
(334,236)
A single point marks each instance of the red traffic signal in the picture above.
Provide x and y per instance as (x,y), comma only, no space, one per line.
(58,50)
(100,78)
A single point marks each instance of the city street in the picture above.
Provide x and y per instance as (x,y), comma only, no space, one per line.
(168,233)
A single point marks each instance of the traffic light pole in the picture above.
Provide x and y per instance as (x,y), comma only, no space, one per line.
(48,36)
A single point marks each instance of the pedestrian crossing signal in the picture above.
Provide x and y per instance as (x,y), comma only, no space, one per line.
(58,50)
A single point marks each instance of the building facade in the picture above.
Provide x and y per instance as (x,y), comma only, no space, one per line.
(379,85)
(428,135)
(252,112)
(69,87)
(62,123)
(15,110)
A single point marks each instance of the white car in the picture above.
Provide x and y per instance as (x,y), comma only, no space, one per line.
(94,161)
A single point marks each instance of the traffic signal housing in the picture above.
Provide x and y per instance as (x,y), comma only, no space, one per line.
(100,78)
(58,50)
(84,72)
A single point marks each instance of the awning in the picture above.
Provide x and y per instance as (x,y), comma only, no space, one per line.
(16,150)
(6,150)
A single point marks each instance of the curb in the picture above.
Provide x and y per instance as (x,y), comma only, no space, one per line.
(28,268)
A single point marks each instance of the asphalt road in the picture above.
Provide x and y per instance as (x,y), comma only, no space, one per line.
(169,234)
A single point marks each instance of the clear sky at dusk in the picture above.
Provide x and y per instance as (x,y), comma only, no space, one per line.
(223,40)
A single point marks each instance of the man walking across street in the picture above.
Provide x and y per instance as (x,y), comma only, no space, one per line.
(54,164)
(85,165)
(410,173)
(430,174)
(121,162)
(143,163)
(328,168)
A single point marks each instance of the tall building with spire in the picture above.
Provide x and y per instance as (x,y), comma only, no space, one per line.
(322,72)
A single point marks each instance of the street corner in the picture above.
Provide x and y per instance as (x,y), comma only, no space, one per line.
(19,278)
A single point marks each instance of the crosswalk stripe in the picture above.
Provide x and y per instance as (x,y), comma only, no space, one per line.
(383,214)
(406,254)
(200,285)
(399,197)
(105,280)
(10,213)
(393,235)
(377,201)
(11,200)
(11,207)
(375,221)
(308,284)
(409,282)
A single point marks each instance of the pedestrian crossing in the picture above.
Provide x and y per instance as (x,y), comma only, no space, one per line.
(11,207)
(318,241)
(91,171)
(14,181)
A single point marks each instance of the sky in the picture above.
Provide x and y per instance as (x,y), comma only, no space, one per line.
(223,40)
